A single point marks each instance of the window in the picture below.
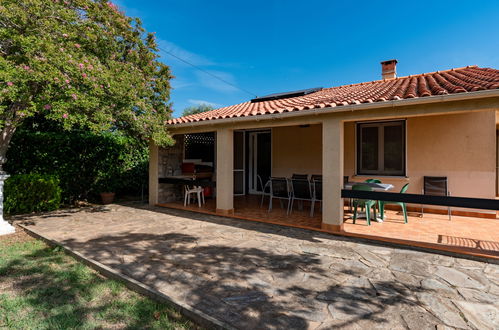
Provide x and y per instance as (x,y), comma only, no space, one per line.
(381,148)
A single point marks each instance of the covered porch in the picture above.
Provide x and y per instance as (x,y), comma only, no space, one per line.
(462,234)
(329,146)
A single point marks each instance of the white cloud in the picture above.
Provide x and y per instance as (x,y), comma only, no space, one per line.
(179,83)
(213,83)
(167,47)
(200,102)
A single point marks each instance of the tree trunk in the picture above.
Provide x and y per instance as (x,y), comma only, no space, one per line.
(5,137)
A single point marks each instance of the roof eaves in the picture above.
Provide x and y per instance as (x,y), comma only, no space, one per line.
(347,107)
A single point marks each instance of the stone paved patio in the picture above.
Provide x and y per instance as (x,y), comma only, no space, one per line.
(256,275)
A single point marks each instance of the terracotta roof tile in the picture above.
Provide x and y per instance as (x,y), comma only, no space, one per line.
(461,80)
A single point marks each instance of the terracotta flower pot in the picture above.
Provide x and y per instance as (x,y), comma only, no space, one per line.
(107,197)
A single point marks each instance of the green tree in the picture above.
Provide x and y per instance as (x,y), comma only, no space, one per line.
(82,63)
(192,110)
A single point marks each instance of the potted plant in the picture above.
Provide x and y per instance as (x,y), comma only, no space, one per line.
(107,189)
(107,197)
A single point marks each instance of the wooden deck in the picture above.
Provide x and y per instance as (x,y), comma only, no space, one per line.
(465,235)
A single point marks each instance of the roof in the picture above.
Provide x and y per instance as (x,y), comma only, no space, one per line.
(460,80)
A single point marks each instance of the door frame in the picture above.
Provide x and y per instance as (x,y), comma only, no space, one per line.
(253,159)
(243,170)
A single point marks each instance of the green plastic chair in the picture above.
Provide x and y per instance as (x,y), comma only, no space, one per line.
(363,203)
(404,208)
(374,181)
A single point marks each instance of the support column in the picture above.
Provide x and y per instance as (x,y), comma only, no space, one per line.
(225,171)
(153,173)
(332,174)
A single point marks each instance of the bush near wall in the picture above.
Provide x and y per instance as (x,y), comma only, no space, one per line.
(26,193)
(85,163)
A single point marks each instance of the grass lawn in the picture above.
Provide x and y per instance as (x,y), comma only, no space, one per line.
(43,288)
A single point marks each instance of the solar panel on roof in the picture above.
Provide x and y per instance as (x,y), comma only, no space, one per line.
(285,95)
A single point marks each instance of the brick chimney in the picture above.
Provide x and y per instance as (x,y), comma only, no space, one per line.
(389,69)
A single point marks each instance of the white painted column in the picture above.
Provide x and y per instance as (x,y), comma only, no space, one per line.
(332,174)
(225,171)
(153,173)
(5,227)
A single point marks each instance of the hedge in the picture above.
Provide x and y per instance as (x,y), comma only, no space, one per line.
(85,163)
(26,193)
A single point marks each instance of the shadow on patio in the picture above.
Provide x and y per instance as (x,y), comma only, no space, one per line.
(247,287)
(255,275)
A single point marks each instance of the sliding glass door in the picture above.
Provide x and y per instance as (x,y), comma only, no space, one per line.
(260,160)
(239,163)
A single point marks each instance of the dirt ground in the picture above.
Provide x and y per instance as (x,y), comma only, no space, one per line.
(18,237)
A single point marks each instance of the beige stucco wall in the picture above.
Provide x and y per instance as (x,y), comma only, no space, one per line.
(296,149)
(461,147)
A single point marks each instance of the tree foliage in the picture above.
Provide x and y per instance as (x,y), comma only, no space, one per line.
(195,109)
(82,63)
(85,163)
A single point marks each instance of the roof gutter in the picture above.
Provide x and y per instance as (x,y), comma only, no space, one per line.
(344,108)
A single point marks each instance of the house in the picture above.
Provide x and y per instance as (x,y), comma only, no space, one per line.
(397,129)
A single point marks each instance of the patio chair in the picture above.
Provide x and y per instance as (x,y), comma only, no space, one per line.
(197,191)
(299,176)
(374,181)
(346,179)
(316,177)
(402,205)
(263,187)
(363,203)
(301,191)
(279,189)
(316,195)
(436,186)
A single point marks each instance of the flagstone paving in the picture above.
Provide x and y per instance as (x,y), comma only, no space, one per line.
(255,275)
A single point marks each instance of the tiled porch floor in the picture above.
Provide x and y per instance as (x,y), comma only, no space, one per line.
(462,234)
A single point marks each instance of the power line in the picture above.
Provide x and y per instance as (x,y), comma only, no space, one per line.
(208,72)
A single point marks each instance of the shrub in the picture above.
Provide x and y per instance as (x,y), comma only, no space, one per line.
(85,163)
(26,193)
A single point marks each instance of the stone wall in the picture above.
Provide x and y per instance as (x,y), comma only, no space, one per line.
(170,162)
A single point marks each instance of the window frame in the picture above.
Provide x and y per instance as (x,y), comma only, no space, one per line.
(381,157)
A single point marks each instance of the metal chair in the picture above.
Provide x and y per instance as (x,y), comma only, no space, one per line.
(317,177)
(301,191)
(346,179)
(317,194)
(279,189)
(436,186)
(263,187)
(299,176)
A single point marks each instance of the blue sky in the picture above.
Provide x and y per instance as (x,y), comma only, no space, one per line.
(275,46)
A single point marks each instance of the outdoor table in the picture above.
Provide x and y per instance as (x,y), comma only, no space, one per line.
(187,180)
(380,187)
